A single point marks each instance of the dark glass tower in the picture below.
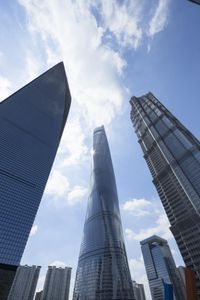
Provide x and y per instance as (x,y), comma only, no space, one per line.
(161,269)
(173,157)
(103,271)
(31,125)
(195,1)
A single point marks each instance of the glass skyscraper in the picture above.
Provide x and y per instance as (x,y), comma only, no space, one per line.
(103,271)
(173,157)
(31,125)
(161,269)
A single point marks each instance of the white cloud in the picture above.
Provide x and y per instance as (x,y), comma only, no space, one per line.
(160,18)
(138,273)
(123,21)
(57,185)
(5,88)
(73,148)
(76,194)
(137,207)
(34,230)
(161,228)
(58,264)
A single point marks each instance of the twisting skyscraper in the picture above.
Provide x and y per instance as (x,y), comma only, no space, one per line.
(173,157)
(32,121)
(103,271)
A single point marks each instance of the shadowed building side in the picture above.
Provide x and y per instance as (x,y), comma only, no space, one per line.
(103,271)
(31,125)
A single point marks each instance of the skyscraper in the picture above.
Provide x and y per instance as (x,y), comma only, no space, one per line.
(188,277)
(103,271)
(38,295)
(24,284)
(173,157)
(161,269)
(138,290)
(32,121)
(57,283)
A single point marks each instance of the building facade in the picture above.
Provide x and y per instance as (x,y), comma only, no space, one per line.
(24,284)
(161,269)
(173,157)
(38,295)
(103,271)
(138,290)
(57,283)
(32,122)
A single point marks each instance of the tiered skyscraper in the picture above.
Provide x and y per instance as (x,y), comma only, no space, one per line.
(161,269)
(103,271)
(31,125)
(173,157)
(24,284)
(57,283)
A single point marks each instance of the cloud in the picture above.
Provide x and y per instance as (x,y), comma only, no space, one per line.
(76,194)
(5,88)
(57,185)
(160,18)
(34,230)
(161,228)
(123,21)
(58,264)
(137,207)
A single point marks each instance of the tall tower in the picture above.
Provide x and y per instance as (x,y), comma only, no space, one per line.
(24,284)
(31,125)
(57,283)
(160,268)
(173,157)
(103,271)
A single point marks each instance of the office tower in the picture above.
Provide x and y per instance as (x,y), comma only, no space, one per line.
(195,1)
(103,271)
(160,268)
(24,283)
(138,290)
(38,295)
(57,283)
(173,157)
(188,277)
(32,121)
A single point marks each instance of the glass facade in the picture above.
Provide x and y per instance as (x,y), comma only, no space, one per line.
(103,271)
(31,125)
(172,154)
(161,269)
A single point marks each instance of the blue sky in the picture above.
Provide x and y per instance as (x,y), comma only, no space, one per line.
(111,50)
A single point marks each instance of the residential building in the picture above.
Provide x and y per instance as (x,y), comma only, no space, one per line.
(103,271)
(24,284)
(161,269)
(173,157)
(32,121)
(138,290)
(57,283)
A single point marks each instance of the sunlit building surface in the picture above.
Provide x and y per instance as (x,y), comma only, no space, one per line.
(32,121)
(161,269)
(173,157)
(24,284)
(103,271)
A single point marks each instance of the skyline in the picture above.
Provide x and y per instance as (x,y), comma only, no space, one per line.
(111,68)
